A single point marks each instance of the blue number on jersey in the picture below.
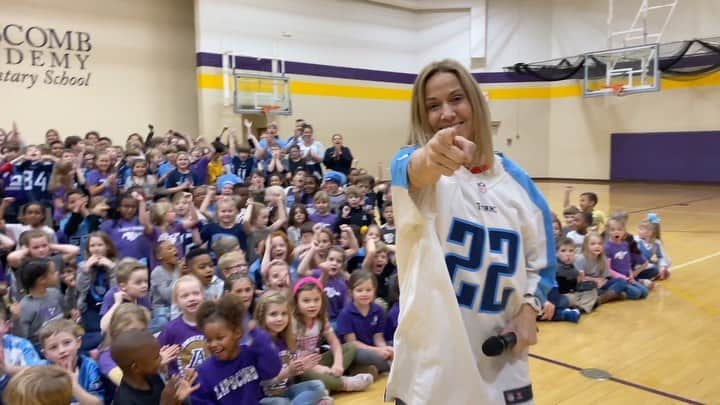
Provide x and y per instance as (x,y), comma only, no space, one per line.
(473,263)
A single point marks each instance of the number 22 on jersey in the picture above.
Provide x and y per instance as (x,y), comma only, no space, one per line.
(502,242)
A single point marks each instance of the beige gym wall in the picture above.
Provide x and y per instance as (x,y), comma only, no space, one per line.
(141,65)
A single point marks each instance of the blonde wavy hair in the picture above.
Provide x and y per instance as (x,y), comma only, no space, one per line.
(420,131)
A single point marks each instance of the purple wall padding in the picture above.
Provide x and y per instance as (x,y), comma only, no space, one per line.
(666,156)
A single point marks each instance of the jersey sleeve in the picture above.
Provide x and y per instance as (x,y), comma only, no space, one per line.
(537,234)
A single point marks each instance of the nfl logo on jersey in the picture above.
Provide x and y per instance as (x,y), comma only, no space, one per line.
(482,187)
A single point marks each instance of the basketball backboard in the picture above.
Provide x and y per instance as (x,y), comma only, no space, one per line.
(621,71)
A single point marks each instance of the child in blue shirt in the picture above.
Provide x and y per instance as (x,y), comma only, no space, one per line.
(18,353)
(61,341)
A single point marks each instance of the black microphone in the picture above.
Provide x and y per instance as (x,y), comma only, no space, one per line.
(495,345)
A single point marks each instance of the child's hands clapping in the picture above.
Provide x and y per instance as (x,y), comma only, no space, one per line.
(310,360)
(296,367)
(178,388)
(168,353)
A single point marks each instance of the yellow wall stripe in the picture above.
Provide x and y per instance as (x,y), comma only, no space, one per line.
(215,82)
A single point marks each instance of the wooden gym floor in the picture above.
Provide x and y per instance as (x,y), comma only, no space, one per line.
(661,350)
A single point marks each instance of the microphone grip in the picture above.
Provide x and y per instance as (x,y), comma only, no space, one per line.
(496,345)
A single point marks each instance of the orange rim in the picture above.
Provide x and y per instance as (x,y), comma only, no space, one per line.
(616,88)
(268,108)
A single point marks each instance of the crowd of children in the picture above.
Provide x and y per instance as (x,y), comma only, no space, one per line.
(177,270)
(174,270)
(598,261)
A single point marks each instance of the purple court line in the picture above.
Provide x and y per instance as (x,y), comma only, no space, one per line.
(620,381)
(672,204)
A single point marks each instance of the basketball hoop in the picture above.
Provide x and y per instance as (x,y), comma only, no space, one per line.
(267,109)
(617,88)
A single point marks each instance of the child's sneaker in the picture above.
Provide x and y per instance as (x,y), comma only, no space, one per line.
(647,283)
(372,370)
(570,315)
(358,382)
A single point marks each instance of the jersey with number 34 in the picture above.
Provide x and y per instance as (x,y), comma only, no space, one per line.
(35,179)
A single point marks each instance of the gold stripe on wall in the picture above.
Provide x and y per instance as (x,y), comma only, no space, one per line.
(215,81)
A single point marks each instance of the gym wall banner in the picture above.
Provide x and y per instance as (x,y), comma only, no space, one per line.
(32,56)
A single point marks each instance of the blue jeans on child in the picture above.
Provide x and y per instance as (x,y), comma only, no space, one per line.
(617,285)
(636,291)
(650,273)
(302,393)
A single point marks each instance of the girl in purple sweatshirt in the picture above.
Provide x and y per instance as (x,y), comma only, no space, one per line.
(624,262)
(233,374)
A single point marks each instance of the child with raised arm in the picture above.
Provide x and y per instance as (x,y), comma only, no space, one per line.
(333,277)
(182,178)
(126,231)
(132,286)
(31,216)
(102,180)
(43,301)
(35,244)
(587,203)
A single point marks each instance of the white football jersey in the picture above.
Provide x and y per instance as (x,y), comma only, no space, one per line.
(468,249)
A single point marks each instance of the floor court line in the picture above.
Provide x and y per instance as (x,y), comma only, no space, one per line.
(695,261)
(621,381)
